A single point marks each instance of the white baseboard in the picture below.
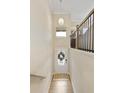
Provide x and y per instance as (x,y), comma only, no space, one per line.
(49,83)
(74,90)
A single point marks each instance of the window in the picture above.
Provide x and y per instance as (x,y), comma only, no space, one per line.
(60,34)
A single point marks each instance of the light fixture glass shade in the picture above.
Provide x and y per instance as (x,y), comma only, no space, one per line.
(61,21)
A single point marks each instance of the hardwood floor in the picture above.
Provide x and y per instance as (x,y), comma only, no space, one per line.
(61,84)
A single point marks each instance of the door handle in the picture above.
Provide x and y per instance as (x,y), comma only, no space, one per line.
(65,60)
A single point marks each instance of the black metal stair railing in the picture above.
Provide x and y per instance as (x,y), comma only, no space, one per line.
(83,37)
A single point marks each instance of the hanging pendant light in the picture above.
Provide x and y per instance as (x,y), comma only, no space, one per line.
(61,20)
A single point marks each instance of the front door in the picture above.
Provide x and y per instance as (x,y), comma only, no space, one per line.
(61,60)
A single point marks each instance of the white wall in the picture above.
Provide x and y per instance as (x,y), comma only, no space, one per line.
(82,71)
(61,43)
(41,49)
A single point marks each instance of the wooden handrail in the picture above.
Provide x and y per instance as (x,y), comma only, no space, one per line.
(78,26)
(37,76)
(91,12)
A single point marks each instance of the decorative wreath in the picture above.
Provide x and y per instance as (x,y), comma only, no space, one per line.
(61,56)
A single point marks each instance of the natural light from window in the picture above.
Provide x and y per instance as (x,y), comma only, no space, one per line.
(85,30)
(60,34)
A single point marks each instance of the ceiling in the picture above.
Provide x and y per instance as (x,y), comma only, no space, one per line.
(78,9)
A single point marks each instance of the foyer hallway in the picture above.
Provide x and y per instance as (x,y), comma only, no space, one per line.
(61,41)
(61,84)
